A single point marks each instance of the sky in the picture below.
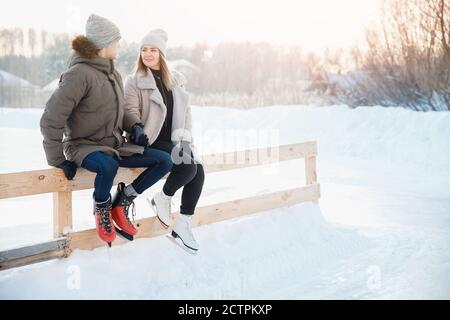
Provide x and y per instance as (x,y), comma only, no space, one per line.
(311,24)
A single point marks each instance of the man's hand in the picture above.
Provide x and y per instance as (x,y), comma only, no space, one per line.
(138,135)
(69,168)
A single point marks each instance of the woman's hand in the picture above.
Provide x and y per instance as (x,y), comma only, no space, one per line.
(138,135)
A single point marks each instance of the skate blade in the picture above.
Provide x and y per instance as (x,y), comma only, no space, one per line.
(109,244)
(179,243)
(153,206)
(124,235)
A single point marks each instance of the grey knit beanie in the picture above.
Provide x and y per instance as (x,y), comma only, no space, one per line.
(101,32)
(157,38)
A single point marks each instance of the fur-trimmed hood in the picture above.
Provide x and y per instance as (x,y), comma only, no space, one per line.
(84,47)
(86,52)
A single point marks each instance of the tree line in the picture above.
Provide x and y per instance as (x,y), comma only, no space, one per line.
(405,62)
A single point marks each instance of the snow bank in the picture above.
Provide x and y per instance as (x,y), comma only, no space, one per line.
(257,256)
(384,175)
(9,80)
(391,135)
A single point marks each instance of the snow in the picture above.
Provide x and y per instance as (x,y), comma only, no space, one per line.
(380,230)
(9,80)
(50,87)
(161,270)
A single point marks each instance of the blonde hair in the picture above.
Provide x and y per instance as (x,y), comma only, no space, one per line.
(166,74)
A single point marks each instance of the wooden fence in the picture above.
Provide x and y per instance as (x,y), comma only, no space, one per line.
(53,181)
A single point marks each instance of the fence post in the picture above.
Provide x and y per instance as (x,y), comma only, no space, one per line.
(311,171)
(62,212)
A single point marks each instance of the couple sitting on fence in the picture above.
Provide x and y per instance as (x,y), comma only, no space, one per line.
(85,120)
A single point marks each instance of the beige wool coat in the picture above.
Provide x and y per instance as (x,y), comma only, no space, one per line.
(143,100)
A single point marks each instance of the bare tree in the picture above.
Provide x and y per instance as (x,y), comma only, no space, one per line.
(409,55)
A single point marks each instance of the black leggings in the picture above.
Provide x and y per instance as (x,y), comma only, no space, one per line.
(189,175)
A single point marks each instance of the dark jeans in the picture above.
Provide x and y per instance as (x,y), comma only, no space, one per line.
(189,175)
(157,162)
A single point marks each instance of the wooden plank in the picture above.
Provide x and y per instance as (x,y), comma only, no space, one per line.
(53,180)
(62,212)
(310,169)
(245,158)
(33,253)
(151,227)
(241,207)
(59,253)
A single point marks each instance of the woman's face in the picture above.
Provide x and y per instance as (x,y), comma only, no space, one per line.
(150,57)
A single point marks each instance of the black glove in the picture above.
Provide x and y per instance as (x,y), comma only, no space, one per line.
(138,135)
(69,168)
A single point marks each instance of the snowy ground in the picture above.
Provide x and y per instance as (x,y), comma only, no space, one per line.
(381,229)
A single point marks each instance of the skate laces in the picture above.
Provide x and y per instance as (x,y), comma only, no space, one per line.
(126,206)
(133,212)
(105,218)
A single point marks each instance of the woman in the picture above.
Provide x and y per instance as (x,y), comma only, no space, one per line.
(156,95)
(87,111)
